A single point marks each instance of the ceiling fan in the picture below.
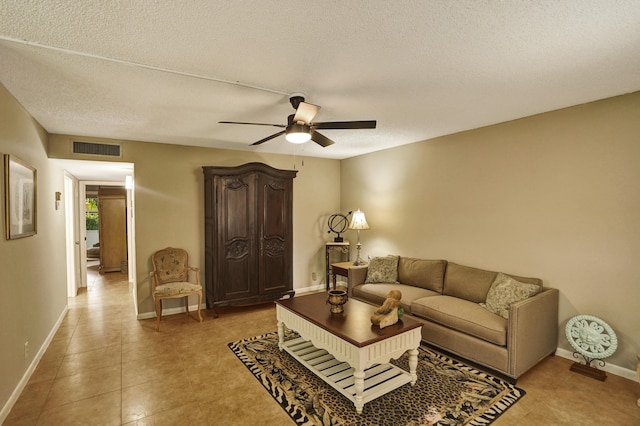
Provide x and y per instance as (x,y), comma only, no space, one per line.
(300,128)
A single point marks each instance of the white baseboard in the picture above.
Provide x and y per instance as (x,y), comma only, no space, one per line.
(310,289)
(171,311)
(180,310)
(609,368)
(32,367)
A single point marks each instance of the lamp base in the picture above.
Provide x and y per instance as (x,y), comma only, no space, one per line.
(359,261)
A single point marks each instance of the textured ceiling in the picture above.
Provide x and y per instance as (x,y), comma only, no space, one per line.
(422,68)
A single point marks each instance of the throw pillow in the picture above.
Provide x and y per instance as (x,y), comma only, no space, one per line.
(505,291)
(382,270)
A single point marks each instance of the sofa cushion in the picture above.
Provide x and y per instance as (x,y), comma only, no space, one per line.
(382,270)
(377,293)
(423,273)
(462,315)
(467,283)
(506,290)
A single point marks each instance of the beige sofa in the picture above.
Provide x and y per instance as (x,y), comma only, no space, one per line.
(447,297)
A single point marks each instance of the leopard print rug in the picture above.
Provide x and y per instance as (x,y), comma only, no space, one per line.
(448,392)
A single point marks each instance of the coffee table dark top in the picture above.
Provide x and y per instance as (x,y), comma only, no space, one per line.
(353,325)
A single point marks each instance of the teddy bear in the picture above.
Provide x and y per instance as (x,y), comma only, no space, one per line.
(387,314)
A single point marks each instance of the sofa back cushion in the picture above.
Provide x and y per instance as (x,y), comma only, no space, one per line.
(468,283)
(472,283)
(427,274)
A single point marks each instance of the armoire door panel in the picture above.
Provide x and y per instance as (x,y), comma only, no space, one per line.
(275,202)
(275,208)
(238,204)
(237,282)
(237,242)
(275,274)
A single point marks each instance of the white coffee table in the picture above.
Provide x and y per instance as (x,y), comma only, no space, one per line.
(346,350)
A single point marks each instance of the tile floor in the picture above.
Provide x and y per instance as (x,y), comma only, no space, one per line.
(106,368)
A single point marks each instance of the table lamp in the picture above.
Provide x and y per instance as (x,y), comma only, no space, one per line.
(358,222)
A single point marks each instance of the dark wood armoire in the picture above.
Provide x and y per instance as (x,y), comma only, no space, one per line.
(248,234)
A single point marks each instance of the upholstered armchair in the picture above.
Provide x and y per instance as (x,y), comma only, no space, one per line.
(170,279)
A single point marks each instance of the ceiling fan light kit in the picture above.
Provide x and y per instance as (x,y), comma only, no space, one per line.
(297,133)
(300,129)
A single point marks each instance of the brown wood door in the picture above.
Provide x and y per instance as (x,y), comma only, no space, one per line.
(236,238)
(112,229)
(274,234)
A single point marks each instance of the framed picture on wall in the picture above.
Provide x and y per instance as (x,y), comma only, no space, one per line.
(20,209)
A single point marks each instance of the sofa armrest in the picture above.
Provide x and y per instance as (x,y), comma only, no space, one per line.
(532,330)
(356,276)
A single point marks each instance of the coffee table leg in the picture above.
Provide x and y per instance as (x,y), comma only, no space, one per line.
(413,365)
(359,386)
(280,334)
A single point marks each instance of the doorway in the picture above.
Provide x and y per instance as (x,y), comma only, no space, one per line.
(106,227)
(96,242)
(80,174)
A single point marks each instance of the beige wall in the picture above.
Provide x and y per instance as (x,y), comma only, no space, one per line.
(169,202)
(556,196)
(32,269)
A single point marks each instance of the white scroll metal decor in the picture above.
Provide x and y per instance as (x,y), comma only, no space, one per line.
(592,338)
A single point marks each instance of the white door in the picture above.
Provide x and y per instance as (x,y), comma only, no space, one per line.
(72,235)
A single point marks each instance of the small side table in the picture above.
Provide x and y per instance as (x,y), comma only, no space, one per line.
(335,252)
(341,269)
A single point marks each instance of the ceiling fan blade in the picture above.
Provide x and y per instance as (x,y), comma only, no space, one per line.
(365,124)
(253,124)
(321,139)
(268,138)
(306,112)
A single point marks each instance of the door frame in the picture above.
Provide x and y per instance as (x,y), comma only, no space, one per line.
(130,231)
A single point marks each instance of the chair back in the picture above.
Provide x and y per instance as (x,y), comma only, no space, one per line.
(170,265)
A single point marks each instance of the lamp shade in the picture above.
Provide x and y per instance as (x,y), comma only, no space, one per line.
(358,221)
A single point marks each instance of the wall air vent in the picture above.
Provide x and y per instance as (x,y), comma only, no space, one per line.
(91,148)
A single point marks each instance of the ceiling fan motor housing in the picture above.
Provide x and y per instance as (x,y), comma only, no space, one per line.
(295,100)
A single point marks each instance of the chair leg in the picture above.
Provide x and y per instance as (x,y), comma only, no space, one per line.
(199,303)
(158,313)
(186,305)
